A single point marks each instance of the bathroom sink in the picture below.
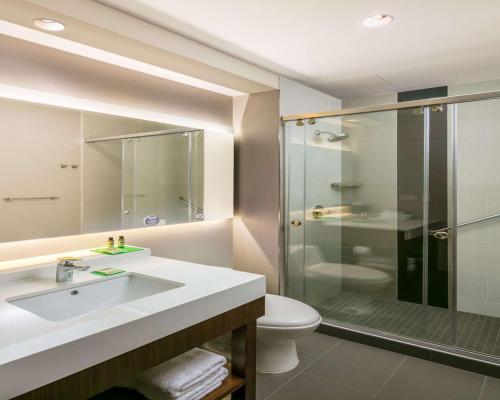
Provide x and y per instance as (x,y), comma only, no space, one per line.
(71,301)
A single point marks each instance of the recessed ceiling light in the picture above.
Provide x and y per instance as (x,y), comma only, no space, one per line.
(377,20)
(49,24)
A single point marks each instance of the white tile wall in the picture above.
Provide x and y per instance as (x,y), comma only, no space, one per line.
(373,162)
(478,194)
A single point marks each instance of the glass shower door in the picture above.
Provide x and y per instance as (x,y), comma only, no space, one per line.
(365,221)
(361,204)
(477,230)
(392,222)
(354,252)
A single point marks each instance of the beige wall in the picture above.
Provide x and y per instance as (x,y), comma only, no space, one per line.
(35,67)
(205,242)
(94,24)
(256,223)
(257,173)
(36,140)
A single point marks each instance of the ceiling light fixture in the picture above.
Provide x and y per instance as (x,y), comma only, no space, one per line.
(49,24)
(377,20)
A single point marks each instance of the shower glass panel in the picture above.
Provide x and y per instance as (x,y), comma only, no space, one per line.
(347,234)
(163,177)
(350,223)
(294,203)
(478,232)
(374,206)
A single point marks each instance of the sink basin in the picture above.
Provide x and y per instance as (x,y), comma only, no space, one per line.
(78,299)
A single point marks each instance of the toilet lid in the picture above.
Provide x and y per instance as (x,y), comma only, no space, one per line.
(285,312)
(357,273)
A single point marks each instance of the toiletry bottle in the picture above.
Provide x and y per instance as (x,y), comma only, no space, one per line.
(121,242)
(110,244)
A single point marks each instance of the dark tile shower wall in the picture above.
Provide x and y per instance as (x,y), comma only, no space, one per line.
(410,156)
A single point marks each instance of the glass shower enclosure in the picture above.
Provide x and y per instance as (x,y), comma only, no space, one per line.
(162,176)
(140,173)
(392,220)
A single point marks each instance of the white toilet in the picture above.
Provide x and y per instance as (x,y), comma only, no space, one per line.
(285,321)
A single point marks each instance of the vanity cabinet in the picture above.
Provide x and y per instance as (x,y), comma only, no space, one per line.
(241,321)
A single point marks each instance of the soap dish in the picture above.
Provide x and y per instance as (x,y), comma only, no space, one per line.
(117,250)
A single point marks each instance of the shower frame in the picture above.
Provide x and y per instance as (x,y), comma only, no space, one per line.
(454,356)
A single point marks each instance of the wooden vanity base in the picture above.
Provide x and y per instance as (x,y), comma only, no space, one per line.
(241,321)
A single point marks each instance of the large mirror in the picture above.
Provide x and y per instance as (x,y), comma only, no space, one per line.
(68,172)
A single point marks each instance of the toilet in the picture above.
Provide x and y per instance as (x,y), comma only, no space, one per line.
(286,320)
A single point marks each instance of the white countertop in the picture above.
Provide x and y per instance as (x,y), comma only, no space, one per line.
(34,351)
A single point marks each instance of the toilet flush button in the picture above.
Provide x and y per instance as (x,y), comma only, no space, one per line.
(296,222)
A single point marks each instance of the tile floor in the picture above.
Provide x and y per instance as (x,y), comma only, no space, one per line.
(473,332)
(334,369)
(331,368)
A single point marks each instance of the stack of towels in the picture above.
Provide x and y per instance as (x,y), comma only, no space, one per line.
(190,376)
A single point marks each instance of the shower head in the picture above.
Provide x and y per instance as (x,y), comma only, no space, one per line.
(333,137)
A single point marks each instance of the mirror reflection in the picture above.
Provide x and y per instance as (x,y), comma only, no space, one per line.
(82,172)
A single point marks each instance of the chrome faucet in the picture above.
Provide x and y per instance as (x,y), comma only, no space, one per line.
(66,267)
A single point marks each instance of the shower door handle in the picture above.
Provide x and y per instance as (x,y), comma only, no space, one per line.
(296,222)
(440,234)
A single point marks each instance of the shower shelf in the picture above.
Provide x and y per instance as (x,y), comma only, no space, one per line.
(340,185)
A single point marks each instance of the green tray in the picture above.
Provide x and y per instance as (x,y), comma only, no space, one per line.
(117,250)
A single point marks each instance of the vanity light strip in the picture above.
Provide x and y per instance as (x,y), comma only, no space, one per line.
(69,46)
(75,103)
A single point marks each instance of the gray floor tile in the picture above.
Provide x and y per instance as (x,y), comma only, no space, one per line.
(476,332)
(491,389)
(316,343)
(423,380)
(362,368)
(310,387)
(268,383)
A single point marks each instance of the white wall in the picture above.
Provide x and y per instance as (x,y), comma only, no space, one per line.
(478,195)
(372,154)
(296,98)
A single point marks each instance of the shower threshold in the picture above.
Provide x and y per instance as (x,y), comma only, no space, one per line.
(442,354)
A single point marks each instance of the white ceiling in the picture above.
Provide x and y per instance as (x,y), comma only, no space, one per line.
(323,43)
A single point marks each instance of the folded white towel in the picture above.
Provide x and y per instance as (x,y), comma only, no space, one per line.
(197,392)
(183,372)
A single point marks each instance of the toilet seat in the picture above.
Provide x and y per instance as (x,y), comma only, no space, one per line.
(354,273)
(286,313)
(357,274)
